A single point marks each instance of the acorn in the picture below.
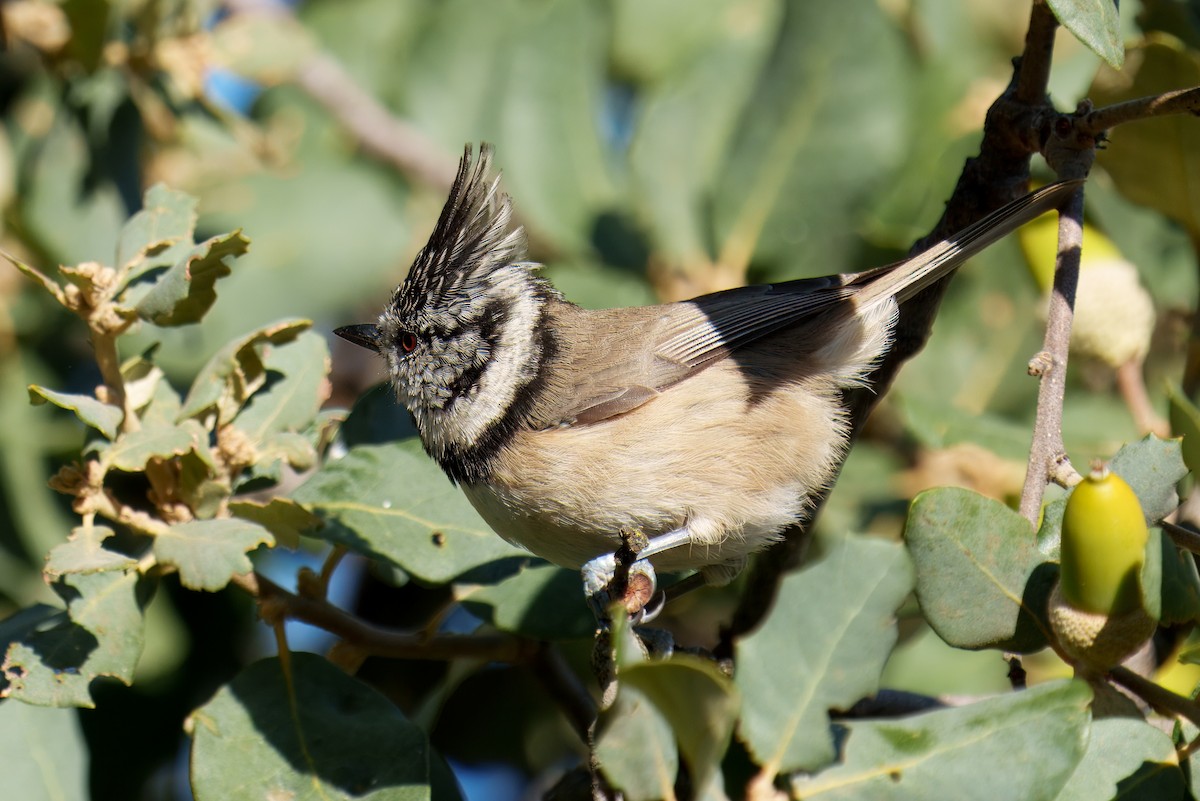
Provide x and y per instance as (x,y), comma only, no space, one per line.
(1114,314)
(1096,608)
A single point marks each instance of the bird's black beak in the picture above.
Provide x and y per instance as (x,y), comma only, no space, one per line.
(366,335)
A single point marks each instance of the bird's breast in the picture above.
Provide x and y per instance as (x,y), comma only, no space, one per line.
(735,469)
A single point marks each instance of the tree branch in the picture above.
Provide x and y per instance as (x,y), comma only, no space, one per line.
(379,132)
(1162,699)
(1047,456)
(277,603)
(1016,127)
(1034,74)
(1180,101)
(543,659)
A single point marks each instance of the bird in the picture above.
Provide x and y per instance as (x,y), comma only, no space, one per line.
(707,426)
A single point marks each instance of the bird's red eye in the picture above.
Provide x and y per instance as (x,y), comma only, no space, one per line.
(408,341)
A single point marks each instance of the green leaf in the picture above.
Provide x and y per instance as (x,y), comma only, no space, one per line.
(88,22)
(1185,422)
(1155,162)
(542,601)
(654,42)
(1180,595)
(84,552)
(698,74)
(1096,23)
(167,218)
(1154,577)
(71,218)
(377,418)
(822,130)
(237,371)
(699,703)
(133,450)
(295,449)
(981,580)
(198,487)
(183,293)
(1126,759)
(36,275)
(372,39)
(554,162)
(636,748)
(1152,467)
(51,658)
(101,416)
(283,517)
(209,552)
(45,756)
(938,423)
(393,502)
(289,403)
(479,71)
(823,647)
(320,736)
(1021,746)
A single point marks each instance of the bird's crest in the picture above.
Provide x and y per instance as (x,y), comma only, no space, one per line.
(470,241)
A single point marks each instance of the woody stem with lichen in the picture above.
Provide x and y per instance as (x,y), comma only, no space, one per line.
(104,344)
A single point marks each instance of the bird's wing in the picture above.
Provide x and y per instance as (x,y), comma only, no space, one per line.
(622,358)
(709,327)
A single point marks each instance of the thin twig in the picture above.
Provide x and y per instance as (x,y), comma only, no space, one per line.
(1179,101)
(1131,384)
(104,345)
(377,130)
(277,604)
(1047,455)
(1162,699)
(274,601)
(1182,536)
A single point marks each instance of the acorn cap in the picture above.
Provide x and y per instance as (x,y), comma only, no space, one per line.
(1096,640)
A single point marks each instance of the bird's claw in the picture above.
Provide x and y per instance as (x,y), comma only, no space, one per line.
(633,587)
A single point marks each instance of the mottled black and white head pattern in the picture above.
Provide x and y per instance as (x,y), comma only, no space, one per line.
(463,334)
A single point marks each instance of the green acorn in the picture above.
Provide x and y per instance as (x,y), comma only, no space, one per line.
(1114,315)
(1096,608)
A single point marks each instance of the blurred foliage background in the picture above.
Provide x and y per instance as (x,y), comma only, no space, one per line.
(655,150)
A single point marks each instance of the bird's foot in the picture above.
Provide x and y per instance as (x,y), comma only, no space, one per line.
(624,580)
